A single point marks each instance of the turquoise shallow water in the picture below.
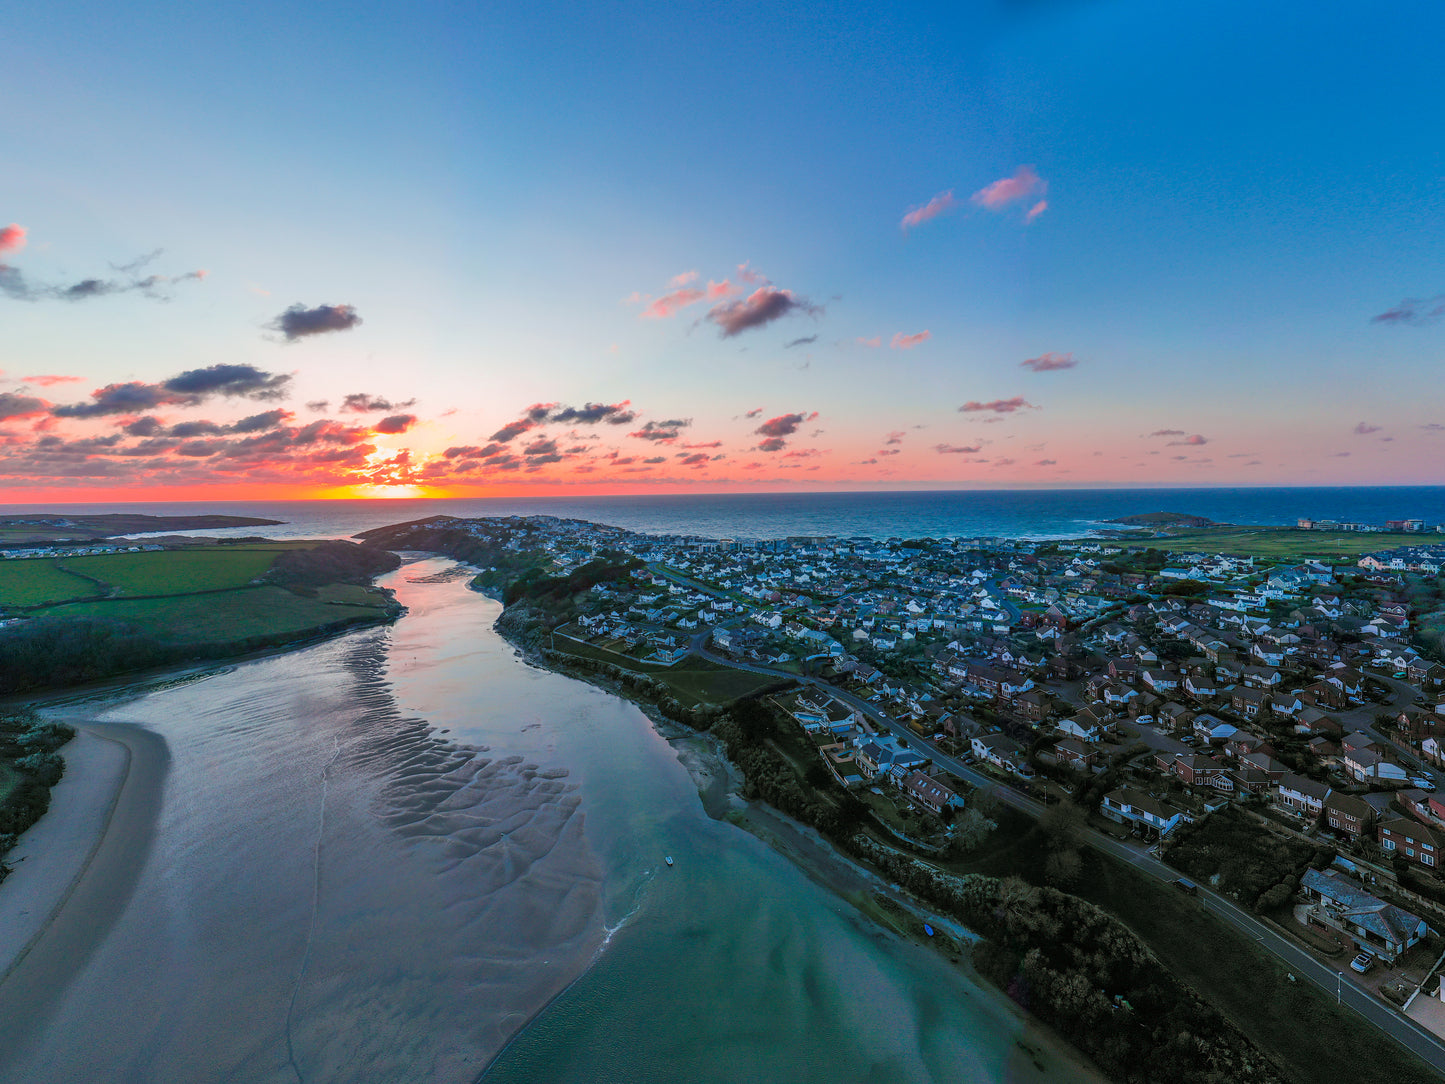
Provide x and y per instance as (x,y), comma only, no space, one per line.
(381,857)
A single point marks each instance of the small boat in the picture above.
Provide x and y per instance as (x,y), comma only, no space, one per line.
(668,860)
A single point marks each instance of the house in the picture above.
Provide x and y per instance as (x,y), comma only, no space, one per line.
(1363,764)
(1379,928)
(1417,842)
(1075,754)
(1200,686)
(1301,796)
(1150,815)
(1195,770)
(1347,815)
(1081,729)
(1002,752)
(924,790)
(1251,703)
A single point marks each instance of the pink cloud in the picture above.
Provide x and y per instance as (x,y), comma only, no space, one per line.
(940,203)
(1047,363)
(901,341)
(1036,210)
(12,238)
(747,274)
(1024,184)
(872,343)
(1193,441)
(683,279)
(997,406)
(51,381)
(670,304)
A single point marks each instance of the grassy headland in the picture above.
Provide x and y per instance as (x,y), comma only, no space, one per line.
(1278,543)
(76,619)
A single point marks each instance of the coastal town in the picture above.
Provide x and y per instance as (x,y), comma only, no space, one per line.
(1269,728)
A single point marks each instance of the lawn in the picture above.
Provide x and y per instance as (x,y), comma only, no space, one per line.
(693,681)
(36,581)
(1282,543)
(226,616)
(176,572)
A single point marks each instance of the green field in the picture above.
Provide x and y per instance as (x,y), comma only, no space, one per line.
(1283,543)
(234,615)
(176,572)
(36,581)
(695,682)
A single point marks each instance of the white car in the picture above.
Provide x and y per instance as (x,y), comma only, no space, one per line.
(1362,963)
(1420,782)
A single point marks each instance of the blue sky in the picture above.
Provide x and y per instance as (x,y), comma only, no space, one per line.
(1233,191)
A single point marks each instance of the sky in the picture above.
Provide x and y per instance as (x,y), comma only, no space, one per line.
(263,251)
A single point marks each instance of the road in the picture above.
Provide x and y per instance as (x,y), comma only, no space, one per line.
(1403,1030)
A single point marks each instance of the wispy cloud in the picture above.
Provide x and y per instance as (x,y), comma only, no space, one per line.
(1047,363)
(1025,184)
(1414,310)
(997,406)
(663,431)
(1191,441)
(938,205)
(1167,433)
(954,449)
(804,341)
(49,381)
(901,341)
(362,403)
(1365,428)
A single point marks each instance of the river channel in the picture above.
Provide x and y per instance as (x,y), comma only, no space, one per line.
(407,855)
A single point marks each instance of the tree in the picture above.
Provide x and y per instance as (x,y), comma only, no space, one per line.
(1062,868)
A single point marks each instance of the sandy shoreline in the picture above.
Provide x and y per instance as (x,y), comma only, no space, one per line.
(75,870)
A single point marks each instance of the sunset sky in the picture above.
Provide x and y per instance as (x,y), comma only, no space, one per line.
(272,250)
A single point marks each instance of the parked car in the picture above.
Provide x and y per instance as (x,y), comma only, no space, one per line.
(1362,963)
(1421,782)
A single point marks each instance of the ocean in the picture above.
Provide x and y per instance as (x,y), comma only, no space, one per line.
(1037,514)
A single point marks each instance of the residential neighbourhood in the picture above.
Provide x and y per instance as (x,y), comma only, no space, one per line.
(1159,689)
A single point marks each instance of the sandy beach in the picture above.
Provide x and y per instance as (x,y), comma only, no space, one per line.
(75,870)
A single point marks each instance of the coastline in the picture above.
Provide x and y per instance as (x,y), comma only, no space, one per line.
(75,869)
(718,782)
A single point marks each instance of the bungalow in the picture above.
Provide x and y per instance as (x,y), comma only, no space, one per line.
(1379,928)
(1418,843)
(1153,817)
(1301,796)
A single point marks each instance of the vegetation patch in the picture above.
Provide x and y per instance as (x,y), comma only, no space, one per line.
(1240,858)
(37,581)
(30,764)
